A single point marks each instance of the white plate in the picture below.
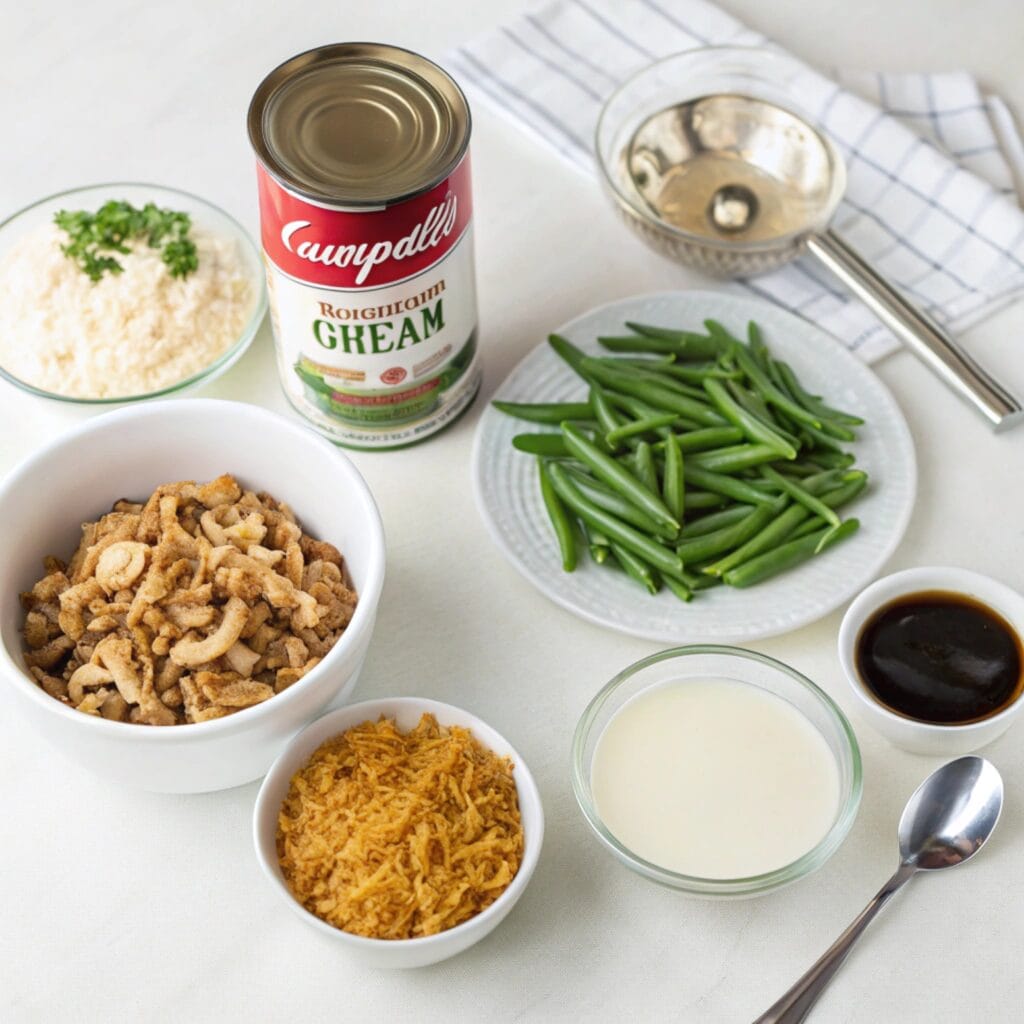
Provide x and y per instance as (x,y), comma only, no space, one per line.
(505,481)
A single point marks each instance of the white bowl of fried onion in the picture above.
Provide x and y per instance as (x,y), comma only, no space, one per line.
(126,455)
(407,715)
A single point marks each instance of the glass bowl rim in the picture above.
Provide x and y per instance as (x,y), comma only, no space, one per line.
(753,884)
(236,349)
(638,210)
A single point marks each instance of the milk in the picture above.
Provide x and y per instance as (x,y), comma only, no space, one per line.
(714,778)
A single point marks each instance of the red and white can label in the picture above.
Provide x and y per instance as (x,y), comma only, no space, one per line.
(374,311)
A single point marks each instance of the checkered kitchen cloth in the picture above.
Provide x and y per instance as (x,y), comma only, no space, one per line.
(933,164)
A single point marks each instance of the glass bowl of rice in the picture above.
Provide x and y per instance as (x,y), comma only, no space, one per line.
(135,333)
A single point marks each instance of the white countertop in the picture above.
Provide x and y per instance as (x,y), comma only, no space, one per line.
(120,905)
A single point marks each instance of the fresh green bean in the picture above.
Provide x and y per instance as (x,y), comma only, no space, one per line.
(706,583)
(730,486)
(788,555)
(597,542)
(692,374)
(659,362)
(787,524)
(641,410)
(842,495)
(776,419)
(714,521)
(691,345)
(560,520)
(827,537)
(769,537)
(826,480)
(775,376)
(718,330)
(801,495)
(758,349)
(821,439)
(674,482)
(611,501)
(691,579)
(633,406)
(705,439)
(696,500)
(793,431)
(811,402)
(545,412)
(620,479)
(569,352)
(855,479)
(810,465)
(833,460)
(607,418)
(751,426)
(646,426)
(656,395)
(639,343)
(812,524)
(644,469)
(652,376)
(680,589)
(770,393)
(833,423)
(540,444)
(735,458)
(798,468)
(700,422)
(655,554)
(637,568)
(697,549)
(837,430)
(751,402)
(829,479)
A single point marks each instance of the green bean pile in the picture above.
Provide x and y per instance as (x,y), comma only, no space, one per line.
(696,460)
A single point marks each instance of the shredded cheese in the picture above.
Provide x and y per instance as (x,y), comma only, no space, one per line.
(396,836)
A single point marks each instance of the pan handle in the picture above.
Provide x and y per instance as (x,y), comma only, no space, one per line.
(918,331)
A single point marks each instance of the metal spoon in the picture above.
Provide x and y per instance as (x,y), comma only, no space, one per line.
(947,820)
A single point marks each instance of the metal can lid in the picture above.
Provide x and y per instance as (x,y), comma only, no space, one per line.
(359,124)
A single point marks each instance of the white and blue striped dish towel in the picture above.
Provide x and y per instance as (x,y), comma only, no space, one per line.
(933,164)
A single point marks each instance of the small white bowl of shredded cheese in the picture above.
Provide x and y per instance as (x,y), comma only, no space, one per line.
(138,332)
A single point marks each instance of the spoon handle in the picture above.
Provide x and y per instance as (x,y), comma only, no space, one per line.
(794,1006)
(919,332)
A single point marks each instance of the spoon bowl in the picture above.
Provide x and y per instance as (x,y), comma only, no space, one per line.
(713,167)
(951,814)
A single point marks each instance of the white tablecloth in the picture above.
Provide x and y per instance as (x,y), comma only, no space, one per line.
(126,906)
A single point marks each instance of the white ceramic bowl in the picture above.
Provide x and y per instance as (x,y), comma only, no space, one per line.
(406,711)
(127,453)
(906,733)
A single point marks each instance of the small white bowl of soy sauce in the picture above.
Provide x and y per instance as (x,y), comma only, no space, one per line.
(936,659)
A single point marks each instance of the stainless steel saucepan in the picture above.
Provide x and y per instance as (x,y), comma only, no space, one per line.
(708,157)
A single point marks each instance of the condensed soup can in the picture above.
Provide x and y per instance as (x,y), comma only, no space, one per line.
(366,221)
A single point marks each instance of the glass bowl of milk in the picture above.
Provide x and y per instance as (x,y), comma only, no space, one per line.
(717,771)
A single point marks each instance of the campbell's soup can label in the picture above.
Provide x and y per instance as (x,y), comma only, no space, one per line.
(366,220)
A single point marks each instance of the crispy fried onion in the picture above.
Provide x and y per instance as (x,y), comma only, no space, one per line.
(396,835)
(198,602)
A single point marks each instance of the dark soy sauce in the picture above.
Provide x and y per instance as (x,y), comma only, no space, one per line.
(940,657)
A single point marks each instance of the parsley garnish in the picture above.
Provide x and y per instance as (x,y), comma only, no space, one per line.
(92,235)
